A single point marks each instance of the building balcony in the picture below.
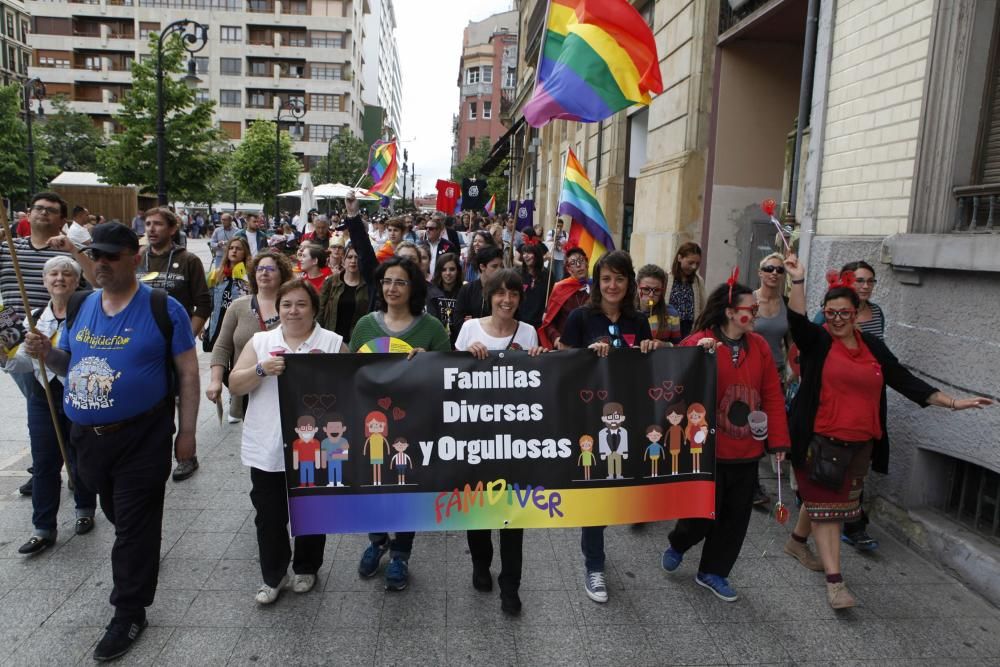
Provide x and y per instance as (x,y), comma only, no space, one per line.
(477,89)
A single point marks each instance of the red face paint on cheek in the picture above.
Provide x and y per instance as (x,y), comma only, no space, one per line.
(744,319)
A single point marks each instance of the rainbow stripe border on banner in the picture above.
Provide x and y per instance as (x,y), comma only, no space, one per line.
(602,506)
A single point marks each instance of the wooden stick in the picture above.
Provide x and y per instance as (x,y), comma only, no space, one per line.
(31,325)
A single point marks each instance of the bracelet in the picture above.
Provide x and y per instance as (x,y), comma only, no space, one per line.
(799,281)
(953,404)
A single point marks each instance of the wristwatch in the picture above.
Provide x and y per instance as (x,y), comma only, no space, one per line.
(799,281)
(260,371)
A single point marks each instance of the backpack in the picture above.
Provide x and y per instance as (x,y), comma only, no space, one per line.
(158,304)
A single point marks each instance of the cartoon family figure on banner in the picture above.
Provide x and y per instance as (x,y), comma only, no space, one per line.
(613,440)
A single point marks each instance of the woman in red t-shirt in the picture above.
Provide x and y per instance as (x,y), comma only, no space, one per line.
(749,416)
(312,261)
(837,419)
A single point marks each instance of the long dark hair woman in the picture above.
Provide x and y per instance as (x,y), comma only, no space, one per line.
(443,290)
(344,298)
(609,321)
(748,399)
(838,419)
(536,281)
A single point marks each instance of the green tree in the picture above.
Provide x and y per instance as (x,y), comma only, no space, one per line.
(70,138)
(195,153)
(348,159)
(13,140)
(253,164)
(472,165)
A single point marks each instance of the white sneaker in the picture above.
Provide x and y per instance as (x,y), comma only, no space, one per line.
(303,583)
(233,420)
(596,587)
(267,595)
(332,484)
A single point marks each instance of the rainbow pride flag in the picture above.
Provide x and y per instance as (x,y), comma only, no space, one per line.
(597,57)
(578,199)
(491,206)
(383,167)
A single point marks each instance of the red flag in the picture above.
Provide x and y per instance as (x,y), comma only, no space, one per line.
(448,194)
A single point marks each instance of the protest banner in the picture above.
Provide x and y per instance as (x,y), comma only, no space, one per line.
(376,442)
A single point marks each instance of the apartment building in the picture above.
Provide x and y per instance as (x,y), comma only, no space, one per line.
(260,54)
(15,54)
(487,75)
(382,84)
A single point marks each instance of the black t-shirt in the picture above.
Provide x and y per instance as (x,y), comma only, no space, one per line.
(586,326)
(474,194)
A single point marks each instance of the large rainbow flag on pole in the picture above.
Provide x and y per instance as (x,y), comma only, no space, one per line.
(578,199)
(597,57)
(383,167)
(491,206)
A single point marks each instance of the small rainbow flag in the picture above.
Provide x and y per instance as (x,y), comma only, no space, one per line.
(598,57)
(491,206)
(383,168)
(578,199)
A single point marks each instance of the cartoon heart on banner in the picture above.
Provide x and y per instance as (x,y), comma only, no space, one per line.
(679,389)
(586,395)
(668,384)
(398,413)
(602,394)
(310,401)
(327,401)
(656,393)
(668,396)
(384,403)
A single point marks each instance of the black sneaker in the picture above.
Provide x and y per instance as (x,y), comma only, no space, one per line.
(760,499)
(510,603)
(35,545)
(84,525)
(25,489)
(860,540)
(185,469)
(116,642)
(482,580)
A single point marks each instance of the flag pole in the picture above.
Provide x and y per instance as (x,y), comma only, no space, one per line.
(31,325)
(555,239)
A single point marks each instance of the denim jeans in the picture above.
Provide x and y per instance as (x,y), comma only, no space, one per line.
(47,462)
(592,545)
(400,546)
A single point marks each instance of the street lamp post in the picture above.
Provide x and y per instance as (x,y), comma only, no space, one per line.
(329,148)
(406,157)
(194,36)
(413,183)
(33,87)
(295,111)
(232,174)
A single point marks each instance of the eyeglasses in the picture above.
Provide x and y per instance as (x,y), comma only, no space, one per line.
(575,262)
(51,210)
(390,282)
(650,290)
(616,335)
(865,281)
(753,310)
(98,255)
(266,269)
(844,314)
(771,268)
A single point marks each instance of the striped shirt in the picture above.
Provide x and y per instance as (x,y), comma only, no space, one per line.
(32,262)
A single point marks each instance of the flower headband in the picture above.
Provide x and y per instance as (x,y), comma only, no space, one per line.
(835,279)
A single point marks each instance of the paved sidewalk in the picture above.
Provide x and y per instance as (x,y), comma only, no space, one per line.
(53,607)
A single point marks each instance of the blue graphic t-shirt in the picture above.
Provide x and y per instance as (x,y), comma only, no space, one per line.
(118,365)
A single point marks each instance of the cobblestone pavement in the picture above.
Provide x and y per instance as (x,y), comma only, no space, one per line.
(53,607)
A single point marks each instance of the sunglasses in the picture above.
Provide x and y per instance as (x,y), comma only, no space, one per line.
(753,310)
(98,255)
(770,268)
(844,314)
(616,336)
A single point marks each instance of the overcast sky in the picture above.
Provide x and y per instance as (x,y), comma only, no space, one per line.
(430,45)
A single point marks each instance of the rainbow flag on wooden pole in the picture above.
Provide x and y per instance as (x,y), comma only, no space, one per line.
(491,206)
(383,167)
(597,57)
(578,199)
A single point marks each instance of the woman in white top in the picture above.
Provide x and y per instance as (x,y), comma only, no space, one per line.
(499,331)
(256,374)
(61,276)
